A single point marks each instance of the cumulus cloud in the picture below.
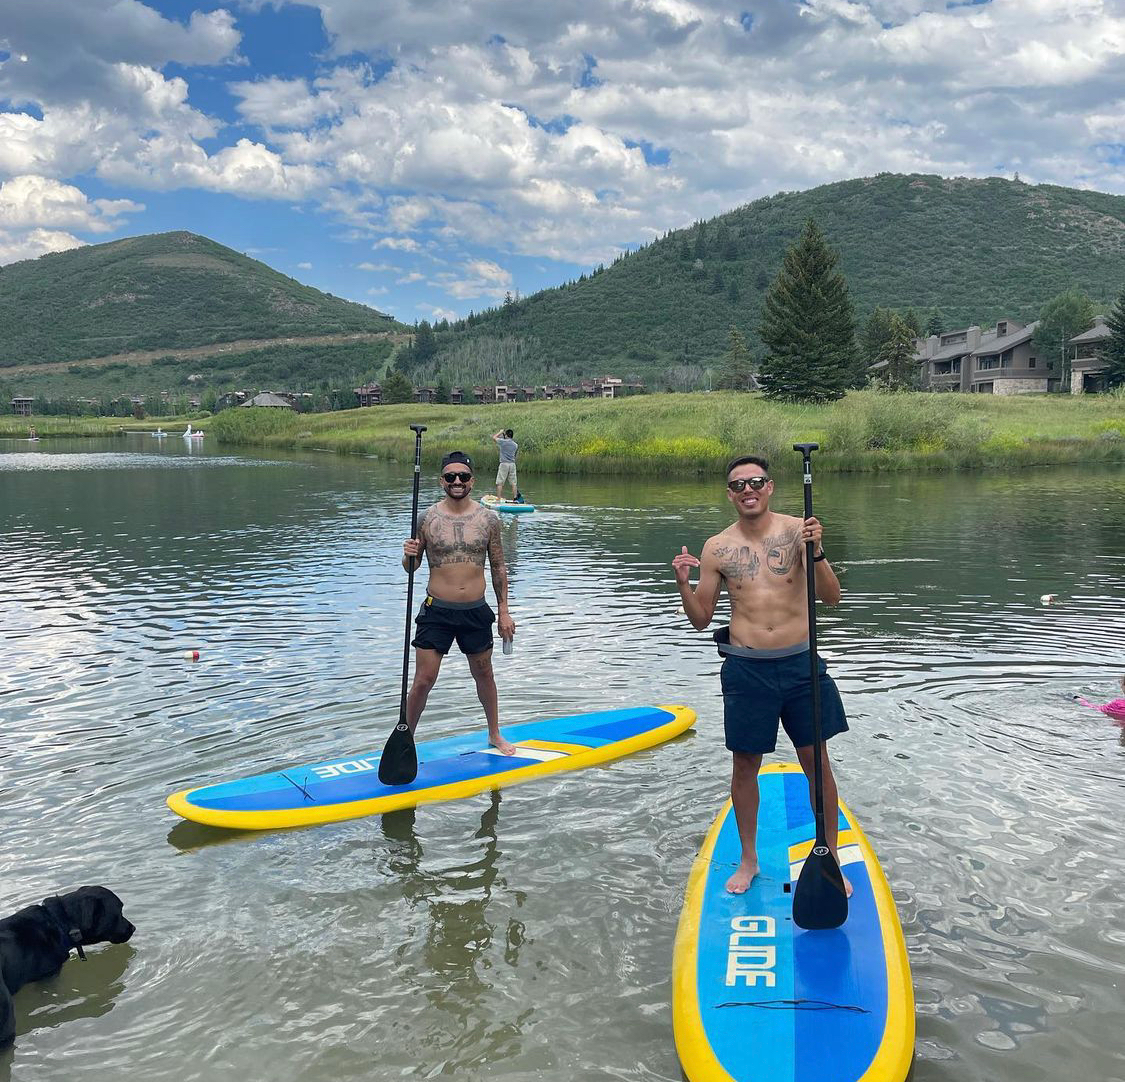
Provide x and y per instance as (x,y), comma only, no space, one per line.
(445,128)
(304,266)
(36,214)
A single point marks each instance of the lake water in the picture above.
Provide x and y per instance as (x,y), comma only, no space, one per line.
(528,934)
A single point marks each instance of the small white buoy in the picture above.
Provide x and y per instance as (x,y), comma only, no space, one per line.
(1049,599)
(191,655)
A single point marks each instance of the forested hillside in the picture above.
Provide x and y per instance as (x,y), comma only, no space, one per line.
(164,291)
(973,250)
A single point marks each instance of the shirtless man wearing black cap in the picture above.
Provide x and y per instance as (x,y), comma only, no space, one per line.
(456,535)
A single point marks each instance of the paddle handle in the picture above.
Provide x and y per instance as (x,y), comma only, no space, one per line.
(806,450)
(417,430)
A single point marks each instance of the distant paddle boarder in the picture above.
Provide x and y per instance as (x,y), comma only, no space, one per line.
(456,536)
(765,676)
(506,472)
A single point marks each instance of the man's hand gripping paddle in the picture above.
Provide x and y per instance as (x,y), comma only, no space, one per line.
(399,762)
(819,899)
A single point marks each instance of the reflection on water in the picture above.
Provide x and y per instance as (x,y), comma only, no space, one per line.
(531,936)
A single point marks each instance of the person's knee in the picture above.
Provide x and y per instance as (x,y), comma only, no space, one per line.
(424,681)
(481,668)
(746,766)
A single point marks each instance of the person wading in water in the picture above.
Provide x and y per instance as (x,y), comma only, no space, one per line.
(760,559)
(456,535)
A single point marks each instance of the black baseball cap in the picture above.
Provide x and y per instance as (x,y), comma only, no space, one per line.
(456,456)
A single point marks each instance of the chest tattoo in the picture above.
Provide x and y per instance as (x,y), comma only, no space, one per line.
(782,550)
(456,539)
(738,563)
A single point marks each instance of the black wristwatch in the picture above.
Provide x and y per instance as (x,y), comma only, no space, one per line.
(823,556)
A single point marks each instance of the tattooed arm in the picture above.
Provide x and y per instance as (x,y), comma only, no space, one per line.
(413,549)
(699,604)
(499,569)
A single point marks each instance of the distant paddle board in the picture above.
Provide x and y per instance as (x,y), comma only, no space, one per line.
(755,997)
(508,507)
(448,769)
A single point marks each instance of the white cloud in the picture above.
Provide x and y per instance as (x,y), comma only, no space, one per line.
(378,291)
(304,266)
(36,214)
(378,267)
(34,243)
(398,244)
(436,312)
(406,279)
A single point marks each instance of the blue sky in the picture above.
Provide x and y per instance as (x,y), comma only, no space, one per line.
(427,156)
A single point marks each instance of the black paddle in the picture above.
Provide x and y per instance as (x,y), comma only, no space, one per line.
(819,899)
(399,762)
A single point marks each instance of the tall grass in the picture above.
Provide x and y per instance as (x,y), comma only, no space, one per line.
(683,433)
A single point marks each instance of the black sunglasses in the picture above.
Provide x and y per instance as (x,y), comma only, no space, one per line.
(740,484)
(453,478)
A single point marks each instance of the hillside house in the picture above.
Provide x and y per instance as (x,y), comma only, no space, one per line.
(269,400)
(370,394)
(1087,366)
(21,406)
(1001,360)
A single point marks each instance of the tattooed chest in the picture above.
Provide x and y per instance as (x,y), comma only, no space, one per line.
(741,564)
(456,541)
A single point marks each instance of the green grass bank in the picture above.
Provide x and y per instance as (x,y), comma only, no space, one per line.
(685,433)
(47,427)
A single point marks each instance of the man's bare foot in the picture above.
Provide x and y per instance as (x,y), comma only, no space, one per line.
(506,746)
(848,888)
(740,882)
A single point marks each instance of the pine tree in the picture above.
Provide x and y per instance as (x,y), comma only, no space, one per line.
(1114,350)
(808,326)
(736,370)
(934,325)
(441,391)
(899,373)
(397,388)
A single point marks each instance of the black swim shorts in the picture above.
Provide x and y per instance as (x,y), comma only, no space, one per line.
(761,688)
(438,623)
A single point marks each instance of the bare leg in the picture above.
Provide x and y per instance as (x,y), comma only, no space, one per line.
(500,492)
(744,795)
(831,798)
(426,666)
(480,665)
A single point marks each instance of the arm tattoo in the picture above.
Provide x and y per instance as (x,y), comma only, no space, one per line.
(457,539)
(782,550)
(738,562)
(496,561)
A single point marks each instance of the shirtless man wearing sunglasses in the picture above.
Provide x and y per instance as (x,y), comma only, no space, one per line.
(760,559)
(456,535)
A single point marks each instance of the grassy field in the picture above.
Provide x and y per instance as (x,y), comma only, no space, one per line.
(52,427)
(684,433)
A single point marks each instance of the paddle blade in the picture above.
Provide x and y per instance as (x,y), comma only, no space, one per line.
(399,762)
(819,899)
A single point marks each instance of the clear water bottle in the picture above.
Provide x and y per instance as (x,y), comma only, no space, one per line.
(507,646)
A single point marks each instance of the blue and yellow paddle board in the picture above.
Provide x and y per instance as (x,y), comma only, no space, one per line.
(754,997)
(457,766)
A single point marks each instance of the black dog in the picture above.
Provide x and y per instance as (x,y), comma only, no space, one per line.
(36,941)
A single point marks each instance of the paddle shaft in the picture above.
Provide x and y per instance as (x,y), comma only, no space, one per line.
(417,430)
(806,450)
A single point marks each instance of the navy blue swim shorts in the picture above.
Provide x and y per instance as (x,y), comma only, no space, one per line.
(760,689)
(439,623)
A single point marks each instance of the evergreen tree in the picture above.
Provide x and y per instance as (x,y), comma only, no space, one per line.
(397,388)
(876,333)
(441,391)
(934,324)
(1062,317)
(736,370)
(910,318)
(808,326)
(425,346)
(1114,350)
(897,352)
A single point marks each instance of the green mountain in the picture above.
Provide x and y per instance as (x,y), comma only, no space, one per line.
(164,292)
(973,250)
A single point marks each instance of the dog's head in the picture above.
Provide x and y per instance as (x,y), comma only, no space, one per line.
(96,913)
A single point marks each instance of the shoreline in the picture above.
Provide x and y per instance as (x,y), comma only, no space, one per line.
(681,434)
(685,434)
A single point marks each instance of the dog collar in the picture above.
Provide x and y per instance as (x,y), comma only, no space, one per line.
(71,936)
